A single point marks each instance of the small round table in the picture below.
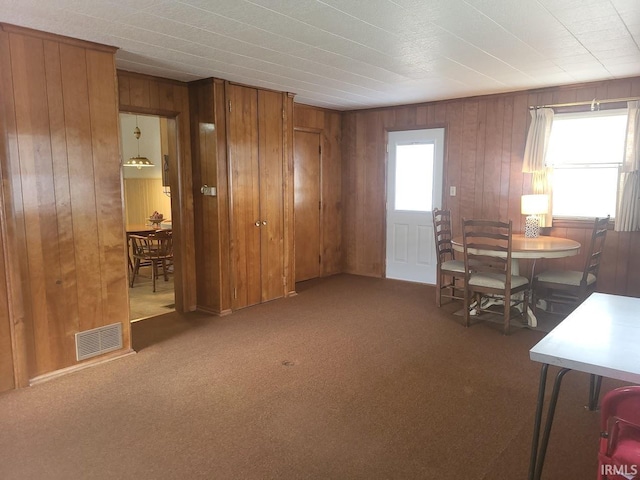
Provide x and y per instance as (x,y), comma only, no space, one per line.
(524,247)
(527,247)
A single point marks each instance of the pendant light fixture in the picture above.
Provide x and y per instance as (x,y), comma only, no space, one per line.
(138,161)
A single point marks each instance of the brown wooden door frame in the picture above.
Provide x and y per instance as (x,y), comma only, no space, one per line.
(173,134)
(312,210)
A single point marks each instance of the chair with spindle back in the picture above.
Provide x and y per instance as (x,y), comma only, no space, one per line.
(449,271)
(155,250)
(487,260)
(564,290)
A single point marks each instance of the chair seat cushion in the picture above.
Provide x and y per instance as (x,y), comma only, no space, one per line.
(453,266)
(495,280)
(564,277)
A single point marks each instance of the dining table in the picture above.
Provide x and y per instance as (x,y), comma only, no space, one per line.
(534,248)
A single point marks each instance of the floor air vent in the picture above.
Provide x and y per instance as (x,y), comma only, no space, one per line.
(98,341)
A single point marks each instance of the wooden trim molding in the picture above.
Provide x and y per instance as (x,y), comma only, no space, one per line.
(151,78)
(287,151)
(9,28)
(81,366)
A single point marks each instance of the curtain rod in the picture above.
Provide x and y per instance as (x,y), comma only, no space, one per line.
(594,103)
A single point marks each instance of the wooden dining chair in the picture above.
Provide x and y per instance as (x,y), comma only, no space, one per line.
(487,260)
(564,290)
(449,271)
(154,250)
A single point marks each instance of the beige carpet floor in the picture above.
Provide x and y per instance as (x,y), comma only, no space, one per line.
(354,378)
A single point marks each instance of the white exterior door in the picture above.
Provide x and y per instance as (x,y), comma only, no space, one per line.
(414,189)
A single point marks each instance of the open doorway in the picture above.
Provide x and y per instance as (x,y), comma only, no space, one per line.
(147,210)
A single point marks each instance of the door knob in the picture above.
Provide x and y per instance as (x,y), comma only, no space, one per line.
(264,222)
(257,223)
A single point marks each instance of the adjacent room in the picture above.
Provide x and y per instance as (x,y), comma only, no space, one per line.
(319,239)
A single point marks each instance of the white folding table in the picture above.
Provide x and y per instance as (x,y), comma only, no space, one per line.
(600,337)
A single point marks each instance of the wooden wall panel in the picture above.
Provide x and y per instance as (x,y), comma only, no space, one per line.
(204,135)
(454,148)
(364,193)
(7,377)
(62,180)
(485,138)
(13,229)
(62,198)
(328,124)
(103,105)
(83,194)
(169,98)
(287,191)
(143,196)
(223,197)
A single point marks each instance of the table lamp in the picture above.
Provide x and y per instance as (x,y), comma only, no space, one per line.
(533,206)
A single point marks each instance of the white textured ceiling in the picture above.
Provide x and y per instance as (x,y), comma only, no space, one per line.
(351,54)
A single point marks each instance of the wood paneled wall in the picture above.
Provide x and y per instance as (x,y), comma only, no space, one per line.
(63,235)
(169,98)
(208,137)
(328,124)
(7,376)
(485,138)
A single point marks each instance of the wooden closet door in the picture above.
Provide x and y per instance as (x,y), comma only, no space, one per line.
(306,180)
(246,223)
(270,125)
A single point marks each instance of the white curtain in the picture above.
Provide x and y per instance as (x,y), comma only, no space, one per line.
(628,212)
(535,152)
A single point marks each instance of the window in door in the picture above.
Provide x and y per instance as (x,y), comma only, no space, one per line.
(414,177)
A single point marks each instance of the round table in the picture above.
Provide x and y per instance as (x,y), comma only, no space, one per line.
(538,247)
(533,248)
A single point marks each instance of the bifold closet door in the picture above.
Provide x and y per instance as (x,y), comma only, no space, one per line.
(270,152)
(257,217)
(245,195)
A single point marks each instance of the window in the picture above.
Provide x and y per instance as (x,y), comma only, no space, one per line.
(586,150)
(414,177)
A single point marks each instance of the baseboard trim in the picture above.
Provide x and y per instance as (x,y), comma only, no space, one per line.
(81,366)
(211,311)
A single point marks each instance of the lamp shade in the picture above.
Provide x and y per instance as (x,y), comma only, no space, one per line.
(534,204)
(138,162)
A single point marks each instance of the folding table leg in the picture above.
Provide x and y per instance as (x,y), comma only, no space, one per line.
(539,447)
(595,381)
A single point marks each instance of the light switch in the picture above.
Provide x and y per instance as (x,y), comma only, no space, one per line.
(452,191)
